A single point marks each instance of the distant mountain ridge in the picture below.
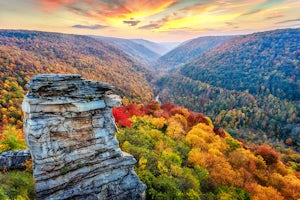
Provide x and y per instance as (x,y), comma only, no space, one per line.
(187,51)
(143,50)
(158,48)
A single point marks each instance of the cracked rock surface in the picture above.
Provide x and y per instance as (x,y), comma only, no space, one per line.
(70,132)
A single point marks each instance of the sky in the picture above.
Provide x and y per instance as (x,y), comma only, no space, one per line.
(156,20)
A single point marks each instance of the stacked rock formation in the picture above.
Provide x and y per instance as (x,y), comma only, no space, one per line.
(70,132)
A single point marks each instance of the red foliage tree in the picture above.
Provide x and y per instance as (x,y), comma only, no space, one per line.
(220,131)
(268,154)
(121,118)
(167,107)
(151,107)
(134,109)
(195,118)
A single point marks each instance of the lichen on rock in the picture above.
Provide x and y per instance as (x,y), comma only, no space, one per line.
(70,132)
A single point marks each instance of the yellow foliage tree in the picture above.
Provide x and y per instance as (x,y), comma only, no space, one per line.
(175,130)
(261,192)
(12,139)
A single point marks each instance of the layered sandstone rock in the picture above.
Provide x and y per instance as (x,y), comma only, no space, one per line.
(14,159)
(70,131)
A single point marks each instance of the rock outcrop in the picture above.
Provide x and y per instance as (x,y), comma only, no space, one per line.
(70,131)
(14,159)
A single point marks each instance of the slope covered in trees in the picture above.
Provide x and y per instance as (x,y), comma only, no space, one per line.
(249,85)
(260,62)
(188,51)
(26,53)
(256,118)
(182,155)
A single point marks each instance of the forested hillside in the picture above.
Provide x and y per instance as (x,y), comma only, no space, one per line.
(182,155)
(24,54)
(267,62)
(188,51)
(249,85)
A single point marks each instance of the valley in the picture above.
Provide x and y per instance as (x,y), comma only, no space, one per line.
(248,85)
(240,92)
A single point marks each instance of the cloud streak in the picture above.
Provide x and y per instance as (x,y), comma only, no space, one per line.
(275,16)
(150,26)
(131,22)
(92,27)
(252,12)
(160,23)
(288,21)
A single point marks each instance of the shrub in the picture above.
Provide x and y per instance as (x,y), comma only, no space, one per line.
(233,144)
(11,138)
(16,185)
(269,155)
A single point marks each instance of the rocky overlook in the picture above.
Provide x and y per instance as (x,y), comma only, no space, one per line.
(70,131)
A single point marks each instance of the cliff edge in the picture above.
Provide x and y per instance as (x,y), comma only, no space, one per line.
(70,132)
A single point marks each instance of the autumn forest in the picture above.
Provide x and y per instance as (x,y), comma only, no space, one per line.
(225,123)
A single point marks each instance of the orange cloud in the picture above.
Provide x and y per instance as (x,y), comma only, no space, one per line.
(161,16)
(111,13)
(53,4)
(110,8)
(149,7)
(197,15)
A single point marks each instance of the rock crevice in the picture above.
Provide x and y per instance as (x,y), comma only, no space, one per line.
(70,132)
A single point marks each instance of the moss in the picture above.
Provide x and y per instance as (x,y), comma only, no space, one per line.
(64,170)
(80,165)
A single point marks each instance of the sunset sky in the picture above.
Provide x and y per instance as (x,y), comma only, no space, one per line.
(156,20)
